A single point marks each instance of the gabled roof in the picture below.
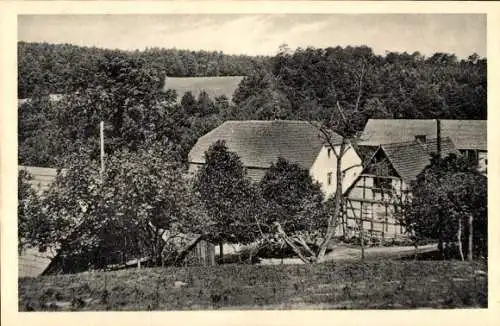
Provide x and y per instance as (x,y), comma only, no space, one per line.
(465,134)
(213,86)
(411,158)
(260,143)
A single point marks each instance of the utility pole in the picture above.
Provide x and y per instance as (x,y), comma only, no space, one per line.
(102,149)
(438,132)
(440,217)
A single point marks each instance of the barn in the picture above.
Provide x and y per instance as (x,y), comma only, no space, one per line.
(260,143)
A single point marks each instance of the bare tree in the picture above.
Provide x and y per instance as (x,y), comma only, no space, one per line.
(342,123)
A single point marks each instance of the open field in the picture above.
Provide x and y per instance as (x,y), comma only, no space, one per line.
(342,285)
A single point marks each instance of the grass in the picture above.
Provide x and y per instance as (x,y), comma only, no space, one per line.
(347,285)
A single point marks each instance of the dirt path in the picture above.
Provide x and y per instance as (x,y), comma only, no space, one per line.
(343,253)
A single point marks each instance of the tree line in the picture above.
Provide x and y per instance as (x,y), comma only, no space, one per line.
(64,68)
(125,90)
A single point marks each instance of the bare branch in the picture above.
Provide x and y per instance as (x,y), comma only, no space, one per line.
(282,233)
(352,167)
(304,244)
(360,88)
(342,113)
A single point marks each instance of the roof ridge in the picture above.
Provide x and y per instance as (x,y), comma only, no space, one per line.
(268,121)
(413,141)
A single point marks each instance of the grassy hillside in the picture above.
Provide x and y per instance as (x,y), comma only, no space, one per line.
(351,285)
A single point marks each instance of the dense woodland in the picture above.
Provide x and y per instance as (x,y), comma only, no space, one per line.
(124,89)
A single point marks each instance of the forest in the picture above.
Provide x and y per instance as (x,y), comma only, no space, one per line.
(123,88)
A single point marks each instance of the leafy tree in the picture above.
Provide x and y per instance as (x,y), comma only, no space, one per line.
(30,220)
(294,204)
(222,186)
(188,103)
(449,200)
(205,105)
(139,206)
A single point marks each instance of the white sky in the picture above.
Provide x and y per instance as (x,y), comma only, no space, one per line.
(461,34)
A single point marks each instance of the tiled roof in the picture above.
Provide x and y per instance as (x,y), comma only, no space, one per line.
(260,143)
(42,177)
(213,86)
(465,134)
(411,158)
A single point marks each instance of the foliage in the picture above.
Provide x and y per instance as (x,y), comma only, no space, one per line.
(128,98)
(446,192)
(226,193)
(125,90)
(397,85)
(64,68)
(138,206)
(30,221)
(292,198)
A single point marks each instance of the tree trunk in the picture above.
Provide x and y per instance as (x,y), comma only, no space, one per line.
(362,237)
(471,236)
(441,244)
(338,201)
(221,253)
(459,239)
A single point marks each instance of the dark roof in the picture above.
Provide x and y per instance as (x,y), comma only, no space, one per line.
(260,143)
(465,134)
(411,158)
(213,86)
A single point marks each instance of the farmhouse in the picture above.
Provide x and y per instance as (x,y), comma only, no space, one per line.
(213,86)
(374,200)
(468,136)
(260,143)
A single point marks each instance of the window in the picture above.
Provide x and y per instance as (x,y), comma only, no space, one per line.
(329,152)
(382,183)
(421,138)
(329,178)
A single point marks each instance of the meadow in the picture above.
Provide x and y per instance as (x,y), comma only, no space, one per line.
(377,284)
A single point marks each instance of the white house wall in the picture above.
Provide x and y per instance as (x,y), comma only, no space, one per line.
(325,164)
(482,161)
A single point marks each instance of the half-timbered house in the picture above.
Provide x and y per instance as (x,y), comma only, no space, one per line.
(373,201)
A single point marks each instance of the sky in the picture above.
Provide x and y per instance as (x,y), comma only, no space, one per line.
(262,34)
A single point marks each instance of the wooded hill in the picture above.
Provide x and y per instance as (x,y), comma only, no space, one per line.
(124,88)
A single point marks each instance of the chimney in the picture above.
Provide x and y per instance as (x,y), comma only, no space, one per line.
(438,137)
